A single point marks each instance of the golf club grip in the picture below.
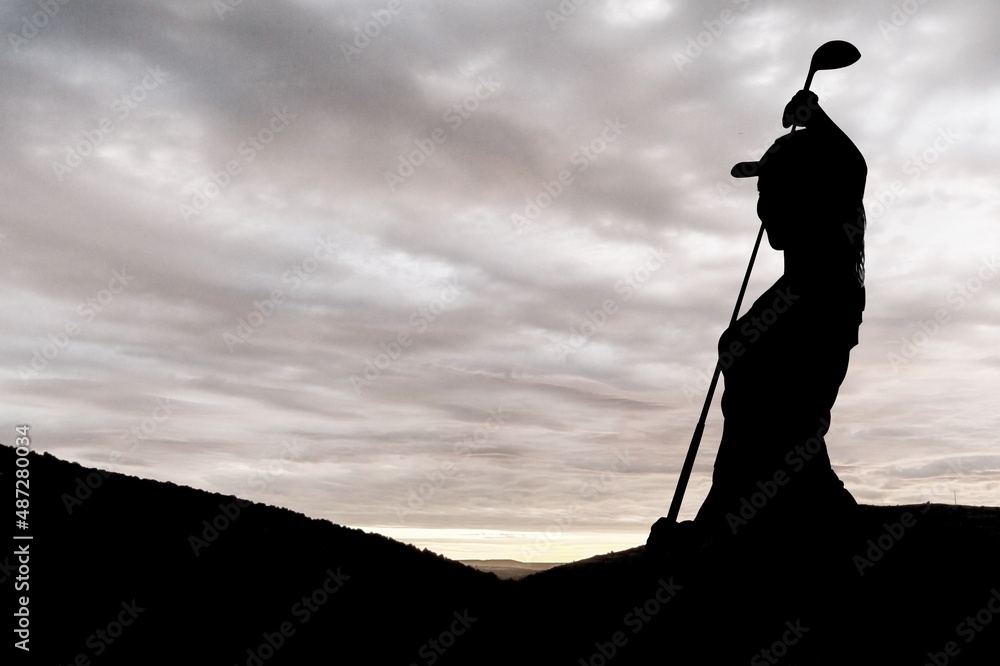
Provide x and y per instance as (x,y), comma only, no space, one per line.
(809,80)
(682,481)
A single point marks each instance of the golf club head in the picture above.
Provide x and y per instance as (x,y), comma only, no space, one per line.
(832,55)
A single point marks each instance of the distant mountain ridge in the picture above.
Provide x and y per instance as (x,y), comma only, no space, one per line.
(510,569)
(125,570)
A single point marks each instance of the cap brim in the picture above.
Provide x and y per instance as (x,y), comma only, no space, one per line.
(745,170)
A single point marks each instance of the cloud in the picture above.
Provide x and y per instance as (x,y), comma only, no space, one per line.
(560,240)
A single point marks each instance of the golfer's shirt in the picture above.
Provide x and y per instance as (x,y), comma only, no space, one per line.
(783,363)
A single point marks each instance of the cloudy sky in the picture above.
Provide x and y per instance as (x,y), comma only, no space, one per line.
(455,271)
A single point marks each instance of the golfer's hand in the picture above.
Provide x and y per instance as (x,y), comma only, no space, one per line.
(803,110)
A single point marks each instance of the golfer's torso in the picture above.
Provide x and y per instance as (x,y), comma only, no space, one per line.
(783,361)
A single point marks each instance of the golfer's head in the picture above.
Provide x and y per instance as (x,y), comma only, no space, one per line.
(809,183)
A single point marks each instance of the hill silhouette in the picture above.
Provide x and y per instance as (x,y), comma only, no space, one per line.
(207,597)
(140,571)
(895,595)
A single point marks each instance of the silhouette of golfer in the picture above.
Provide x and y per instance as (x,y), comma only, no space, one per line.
(784,360)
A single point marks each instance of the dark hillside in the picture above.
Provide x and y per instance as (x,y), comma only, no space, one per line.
(141,571)
(135,540)
(915,583)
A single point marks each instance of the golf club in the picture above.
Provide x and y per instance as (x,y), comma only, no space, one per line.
(831,55)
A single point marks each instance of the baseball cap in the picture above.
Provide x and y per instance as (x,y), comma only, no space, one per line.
(824,155)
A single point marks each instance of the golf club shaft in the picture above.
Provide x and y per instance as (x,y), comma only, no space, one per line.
(809,79)
(675,504)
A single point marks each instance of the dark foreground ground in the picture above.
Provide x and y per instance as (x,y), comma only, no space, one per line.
(129,571)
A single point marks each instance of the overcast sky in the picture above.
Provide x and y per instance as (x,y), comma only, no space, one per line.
(455,271)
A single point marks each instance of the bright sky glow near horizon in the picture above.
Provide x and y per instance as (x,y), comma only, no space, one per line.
(455,271)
